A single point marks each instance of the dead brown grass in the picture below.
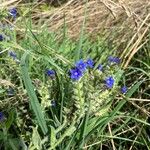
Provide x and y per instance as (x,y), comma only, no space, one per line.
(123,21)
(120,16)
(120,20)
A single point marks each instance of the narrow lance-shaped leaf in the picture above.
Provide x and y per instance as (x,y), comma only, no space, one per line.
(32,96)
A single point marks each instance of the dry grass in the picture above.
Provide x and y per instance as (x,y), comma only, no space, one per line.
(120,16)
(121,21)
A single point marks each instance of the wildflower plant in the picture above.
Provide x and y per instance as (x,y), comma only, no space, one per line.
(62,97)
(85,87)
(58,92)
(95,85)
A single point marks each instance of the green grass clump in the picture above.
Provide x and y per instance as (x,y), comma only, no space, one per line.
(51,110)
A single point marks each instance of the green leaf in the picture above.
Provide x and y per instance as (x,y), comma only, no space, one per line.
(2,91)
(84,126)
(134,88)
(10,119)
(78,50)
(32,96)
(1,135)
(68,132)
(118,76)
(14,144)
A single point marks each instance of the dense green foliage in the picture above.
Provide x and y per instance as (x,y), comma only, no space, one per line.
(44,112)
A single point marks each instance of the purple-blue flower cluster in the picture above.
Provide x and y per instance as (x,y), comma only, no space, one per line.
(114,60)
(90,63)
(124,89)
(100,67)
(13,12)
(50,73)
(109,82)
(1,116)
(80,67)
(75,74)
(1,37)
(12,54)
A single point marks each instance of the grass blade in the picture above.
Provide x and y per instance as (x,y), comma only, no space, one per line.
(33,98)
(78,50)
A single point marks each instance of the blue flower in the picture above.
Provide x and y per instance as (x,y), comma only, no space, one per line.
(12,54)
(123,89)
(13,12)
(115,60)
(75,74)
(90,63)
(109,82)
(50,73)
(1,116)
(1,37)
(81,65)
(100,67)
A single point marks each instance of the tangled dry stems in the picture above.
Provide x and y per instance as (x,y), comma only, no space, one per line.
(121,21)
